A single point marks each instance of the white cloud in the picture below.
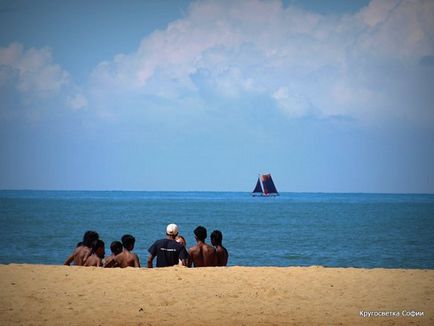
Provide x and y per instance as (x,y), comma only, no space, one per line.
(33,70)
(77,101)
(294,104)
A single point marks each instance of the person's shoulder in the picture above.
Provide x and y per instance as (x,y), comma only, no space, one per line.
(193,249)
(161,241)
(79,249)
(83,249)
(208,247)
(131,255)
(156,243)
(176,244)
(118,258)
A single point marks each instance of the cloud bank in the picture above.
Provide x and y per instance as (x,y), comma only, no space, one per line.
(374,65)
(364,66)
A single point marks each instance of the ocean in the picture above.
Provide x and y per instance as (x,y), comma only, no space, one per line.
(294,229)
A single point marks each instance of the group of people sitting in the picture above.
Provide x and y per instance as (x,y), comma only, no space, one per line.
(169,251)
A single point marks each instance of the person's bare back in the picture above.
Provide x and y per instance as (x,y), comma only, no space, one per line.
(127,259)
(83,249)
(203,255)
(222,253)
(222,256)
(79,256)
(93,260)
(97,256)
(116,248)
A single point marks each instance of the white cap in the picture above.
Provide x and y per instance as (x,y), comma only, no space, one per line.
(172,229)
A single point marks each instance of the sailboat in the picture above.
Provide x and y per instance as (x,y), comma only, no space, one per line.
(265,186)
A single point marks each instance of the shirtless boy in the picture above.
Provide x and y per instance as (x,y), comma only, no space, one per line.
(222,253)
(98,252)
(202,254)
(83,249)
(127,258)
(116,248)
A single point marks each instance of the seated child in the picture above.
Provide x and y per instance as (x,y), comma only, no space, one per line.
(98,252)
(116,248)
(83,249)
(222,253)
(127,258)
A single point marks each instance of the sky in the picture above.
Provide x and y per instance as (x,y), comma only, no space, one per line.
(176,95)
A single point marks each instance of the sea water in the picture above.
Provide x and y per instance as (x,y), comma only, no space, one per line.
(293,229)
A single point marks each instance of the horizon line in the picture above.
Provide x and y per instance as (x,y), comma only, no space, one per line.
(221,191)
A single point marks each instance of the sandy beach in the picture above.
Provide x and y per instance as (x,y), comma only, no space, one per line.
(40,294)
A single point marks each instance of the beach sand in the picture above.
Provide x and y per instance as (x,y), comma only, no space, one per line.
(56,295)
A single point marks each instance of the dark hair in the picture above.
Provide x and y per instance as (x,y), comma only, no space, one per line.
(181,237)
(128,241)
(200,233)
(116,247)
(89,237)
(97,244)
(79,244)
(216,237)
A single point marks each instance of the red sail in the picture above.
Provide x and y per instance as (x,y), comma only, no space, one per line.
(268,184)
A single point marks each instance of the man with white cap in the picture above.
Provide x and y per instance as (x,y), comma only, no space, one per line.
(168,251)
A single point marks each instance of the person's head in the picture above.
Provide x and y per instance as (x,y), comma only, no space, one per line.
(172,231)
(180,239)
(89,237)
(128,241)
(116,247)
(216,238)
(200,233)
(98,248)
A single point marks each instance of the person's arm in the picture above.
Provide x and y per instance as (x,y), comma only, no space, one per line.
(183,257)
(136,261)
(190,259)
(210,256)
(109,262)
(150,259)
(153,250)
(86,256)
(69,260)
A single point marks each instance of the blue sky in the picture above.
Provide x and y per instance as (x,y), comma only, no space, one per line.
(328,96)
